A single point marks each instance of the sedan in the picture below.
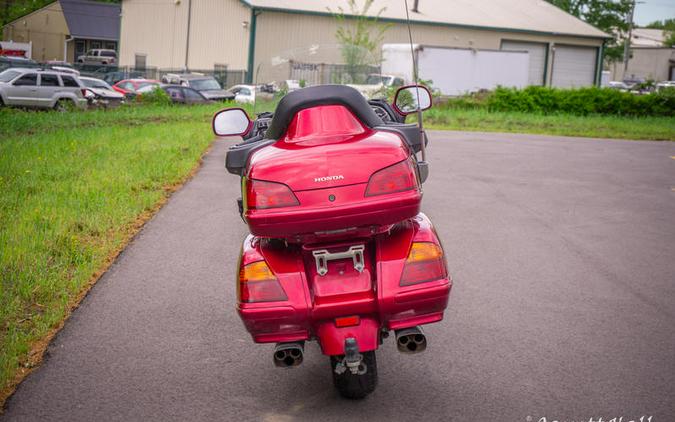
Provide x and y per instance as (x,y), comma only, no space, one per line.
(101,94)
(179,94)
(129,87)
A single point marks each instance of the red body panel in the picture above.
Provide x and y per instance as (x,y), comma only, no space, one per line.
(315,301)
(327,158)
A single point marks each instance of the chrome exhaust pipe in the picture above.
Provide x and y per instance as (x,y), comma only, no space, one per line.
(288,355)
(411,340)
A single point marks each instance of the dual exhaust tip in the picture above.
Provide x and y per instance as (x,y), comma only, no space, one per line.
(288,355)
(411,340)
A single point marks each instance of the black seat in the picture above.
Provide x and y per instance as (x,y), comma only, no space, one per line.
(320,95)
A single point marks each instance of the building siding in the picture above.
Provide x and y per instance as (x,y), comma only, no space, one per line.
(648,63)
(159,30)
(46,28)
(278,32)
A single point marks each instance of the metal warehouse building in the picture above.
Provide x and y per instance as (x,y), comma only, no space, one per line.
(238,34)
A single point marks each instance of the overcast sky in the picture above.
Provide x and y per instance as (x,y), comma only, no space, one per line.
(653,10)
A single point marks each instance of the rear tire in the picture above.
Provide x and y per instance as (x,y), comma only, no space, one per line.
(353,386)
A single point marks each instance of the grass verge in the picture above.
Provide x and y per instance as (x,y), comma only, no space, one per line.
(75,189)
(617,127)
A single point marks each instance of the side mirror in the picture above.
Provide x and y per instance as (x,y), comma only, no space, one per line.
(231,122)
(412,98)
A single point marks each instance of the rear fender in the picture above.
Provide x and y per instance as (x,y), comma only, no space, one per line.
(332,339)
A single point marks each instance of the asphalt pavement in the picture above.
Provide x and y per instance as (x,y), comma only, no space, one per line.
(563,256)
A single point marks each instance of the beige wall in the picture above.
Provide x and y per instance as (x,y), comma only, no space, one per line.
(646,63)
(279,32)
(159,30)
(45,28)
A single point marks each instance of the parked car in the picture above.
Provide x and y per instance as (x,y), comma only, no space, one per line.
(61,66)
(665,84)
(41,89)
(7,61)
(208,86)
(243,93)
(129,87)
(622,86)
(98,56)
(112,77)
(179,94)
(101,94)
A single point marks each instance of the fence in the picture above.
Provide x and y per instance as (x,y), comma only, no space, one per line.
(111,74)
(328,73)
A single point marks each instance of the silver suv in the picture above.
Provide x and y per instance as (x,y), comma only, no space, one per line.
(98,56)
(41,89)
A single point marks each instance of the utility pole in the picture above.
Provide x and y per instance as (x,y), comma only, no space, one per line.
(626,48)
(187,37)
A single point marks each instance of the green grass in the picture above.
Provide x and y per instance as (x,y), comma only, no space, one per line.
(73,188)
(594,126)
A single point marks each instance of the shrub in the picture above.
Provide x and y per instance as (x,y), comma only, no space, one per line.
(156,96)
(581,101)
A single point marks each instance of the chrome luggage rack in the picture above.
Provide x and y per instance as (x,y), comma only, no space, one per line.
(322,256)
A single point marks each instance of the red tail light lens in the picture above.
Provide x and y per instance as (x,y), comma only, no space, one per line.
(397,178)
(261,195)
(425,263)
(257,283)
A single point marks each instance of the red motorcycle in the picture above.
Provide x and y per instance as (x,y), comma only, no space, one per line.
(339,251)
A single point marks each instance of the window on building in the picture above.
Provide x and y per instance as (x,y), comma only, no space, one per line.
(80,47)
(140,61)
(27,80)
(49,80)
(111,45)
(69,81)
(95,44)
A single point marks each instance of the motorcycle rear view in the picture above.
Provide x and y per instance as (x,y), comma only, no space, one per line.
(338,250)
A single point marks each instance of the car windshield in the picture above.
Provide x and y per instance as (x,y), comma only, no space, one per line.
(95,83)
(8,75)
(204,84)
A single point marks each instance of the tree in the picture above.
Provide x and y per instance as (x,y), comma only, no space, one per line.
(360,41)
(610,16)
(668,26)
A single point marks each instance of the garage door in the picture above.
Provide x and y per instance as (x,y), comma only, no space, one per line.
(537,58)
(574,66)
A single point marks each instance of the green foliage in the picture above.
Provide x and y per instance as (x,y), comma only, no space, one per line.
(580,102)
(609,16)
(156,96)
(14,9)
(593,126)
(360,41)
(73,186)
(668,26)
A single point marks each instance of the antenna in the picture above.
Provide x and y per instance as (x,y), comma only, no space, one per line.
(423,135)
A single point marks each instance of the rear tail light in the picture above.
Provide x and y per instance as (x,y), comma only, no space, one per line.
(84,92)
(261,195)
(397,178)
(425,262)
(257,283)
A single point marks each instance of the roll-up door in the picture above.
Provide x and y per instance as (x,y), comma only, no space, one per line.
(537,53)
(574,66)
